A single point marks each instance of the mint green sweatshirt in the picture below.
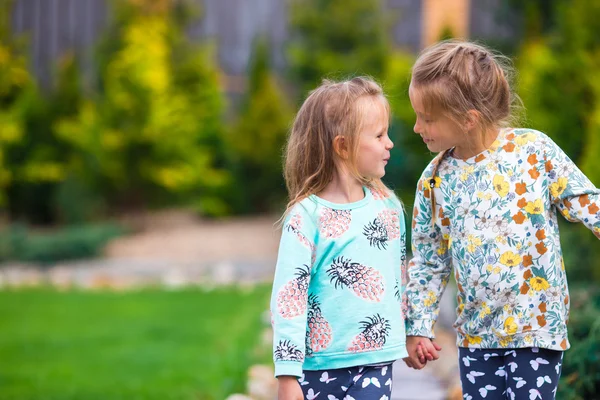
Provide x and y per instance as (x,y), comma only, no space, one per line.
(338,291)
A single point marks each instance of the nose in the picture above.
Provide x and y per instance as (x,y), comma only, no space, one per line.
(389,144)
(417,127)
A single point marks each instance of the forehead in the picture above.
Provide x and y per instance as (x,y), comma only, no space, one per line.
(416,98)
(373,107)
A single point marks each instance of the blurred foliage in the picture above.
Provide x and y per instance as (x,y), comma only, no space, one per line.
(336,39)
(560,88)
(257,139)
(580,379)
(17,242)
(152,131)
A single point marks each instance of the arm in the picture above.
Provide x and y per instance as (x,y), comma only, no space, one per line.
(290,293)
(571,192)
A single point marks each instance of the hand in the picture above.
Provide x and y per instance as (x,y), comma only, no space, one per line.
(427,350)
(289,388)
(412,361)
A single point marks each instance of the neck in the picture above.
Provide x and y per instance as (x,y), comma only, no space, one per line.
(476,143)
(343,188)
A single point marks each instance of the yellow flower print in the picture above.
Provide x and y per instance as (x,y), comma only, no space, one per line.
(535,207)
(430,299)
(473,339)
(538,283)
(505,341)
(524,139)
(474,243)
(437,180)
(528,339)
(510,259)
(485,310)
(500,185)
(510,326)
(558,187)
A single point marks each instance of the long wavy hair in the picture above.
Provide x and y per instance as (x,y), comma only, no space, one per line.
(333,109)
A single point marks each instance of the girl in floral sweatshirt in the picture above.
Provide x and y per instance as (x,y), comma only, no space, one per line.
(486,209)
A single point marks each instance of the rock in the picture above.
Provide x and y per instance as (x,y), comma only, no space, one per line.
(262,385)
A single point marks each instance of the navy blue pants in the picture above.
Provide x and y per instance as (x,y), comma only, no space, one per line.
(360,383)
(514,374)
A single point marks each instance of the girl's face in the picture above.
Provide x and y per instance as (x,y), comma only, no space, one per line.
(437,131)
(374,144)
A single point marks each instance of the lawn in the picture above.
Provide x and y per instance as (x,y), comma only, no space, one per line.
(150,344)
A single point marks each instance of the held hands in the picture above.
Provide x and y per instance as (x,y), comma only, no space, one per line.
(289,388)
(420,350)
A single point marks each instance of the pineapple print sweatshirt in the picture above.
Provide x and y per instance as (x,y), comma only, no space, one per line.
(338,286)
(495,223)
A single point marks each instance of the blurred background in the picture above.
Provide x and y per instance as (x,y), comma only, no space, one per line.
(140,173)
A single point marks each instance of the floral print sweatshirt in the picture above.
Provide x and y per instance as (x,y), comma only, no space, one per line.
(338,285)
(493,219)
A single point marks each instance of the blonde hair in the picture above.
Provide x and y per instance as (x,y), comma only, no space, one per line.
(333,109)
(455,77)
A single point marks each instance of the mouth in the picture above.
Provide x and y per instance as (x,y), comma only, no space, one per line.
(426,140)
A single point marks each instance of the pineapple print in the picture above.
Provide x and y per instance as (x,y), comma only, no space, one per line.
(294,226)
(287,351)
(291,298)
(318,334)
(333,223)
(383,228)
(373,336)
(366,282)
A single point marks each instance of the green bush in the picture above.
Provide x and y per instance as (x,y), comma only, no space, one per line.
(19,243)
(581,365)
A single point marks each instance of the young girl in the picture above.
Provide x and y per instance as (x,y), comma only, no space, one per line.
(486,206)
(336,302)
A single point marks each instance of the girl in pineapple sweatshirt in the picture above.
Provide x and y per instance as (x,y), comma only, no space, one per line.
(336,306)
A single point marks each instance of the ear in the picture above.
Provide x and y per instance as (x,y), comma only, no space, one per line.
(471,120)
(340,146)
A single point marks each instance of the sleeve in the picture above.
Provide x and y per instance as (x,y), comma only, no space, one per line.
(430,267)
(571,192)
(289,297)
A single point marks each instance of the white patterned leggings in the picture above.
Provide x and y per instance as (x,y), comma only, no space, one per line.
(514,374)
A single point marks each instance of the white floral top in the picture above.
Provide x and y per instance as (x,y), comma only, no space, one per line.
(495,224)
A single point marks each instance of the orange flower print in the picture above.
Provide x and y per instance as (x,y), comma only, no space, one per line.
(549,166)
(426,193)
(510,136)
(593,208)
(522,202)
(542,307)
(521,188)
(519,218)
(524,288)
(584,200)
(527,274)
(415,212)
(527,261)
(532,159)
(534,173)
(563,344)
(509,147)
(541,234)
(480,157)
(446,222)
(541,248)
(541,320)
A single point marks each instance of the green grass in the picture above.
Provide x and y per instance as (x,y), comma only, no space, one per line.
(150,344)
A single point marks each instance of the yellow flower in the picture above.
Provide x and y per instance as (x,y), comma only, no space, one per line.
(461,307)
(474,243)
(505,341)
(535,207)
(510,259)
(538,283)
(510,326)
(500,185)
(485,310)
(489,268)
(473,339)
(528,339)
(497,270)
(430,299)
(524,139)
(480,195)
(558,187)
